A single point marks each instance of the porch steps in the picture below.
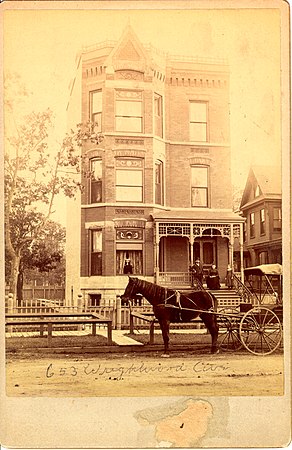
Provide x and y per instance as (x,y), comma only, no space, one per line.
(226,297)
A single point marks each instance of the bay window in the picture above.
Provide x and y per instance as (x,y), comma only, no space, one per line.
(129,116)
(129,180)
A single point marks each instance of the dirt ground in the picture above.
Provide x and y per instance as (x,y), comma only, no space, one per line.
(144,374)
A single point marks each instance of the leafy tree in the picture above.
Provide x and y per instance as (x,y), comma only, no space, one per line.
(36,170)
(44,254)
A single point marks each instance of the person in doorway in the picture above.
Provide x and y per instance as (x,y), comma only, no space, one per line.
(128,268)
(229,277)
(197,272)
(213,279)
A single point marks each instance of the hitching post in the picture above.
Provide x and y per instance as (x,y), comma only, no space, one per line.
(119,312)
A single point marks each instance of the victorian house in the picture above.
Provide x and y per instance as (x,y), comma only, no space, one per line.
(160,192)
(261,205)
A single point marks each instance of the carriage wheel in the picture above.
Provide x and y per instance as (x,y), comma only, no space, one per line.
(264,331)
(228,337)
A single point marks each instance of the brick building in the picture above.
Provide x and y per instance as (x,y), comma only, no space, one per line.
(261,205)
(160,194)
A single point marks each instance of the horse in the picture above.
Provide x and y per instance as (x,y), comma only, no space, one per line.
(170,306)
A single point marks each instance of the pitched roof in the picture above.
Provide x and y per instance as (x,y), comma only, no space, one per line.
(268,178)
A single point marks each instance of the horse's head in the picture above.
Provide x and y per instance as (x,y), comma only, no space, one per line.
(131,289)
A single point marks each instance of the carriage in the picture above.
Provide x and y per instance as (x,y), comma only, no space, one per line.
(255,325)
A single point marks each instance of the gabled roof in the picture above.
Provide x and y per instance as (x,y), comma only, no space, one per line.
(128,51)
(267,178)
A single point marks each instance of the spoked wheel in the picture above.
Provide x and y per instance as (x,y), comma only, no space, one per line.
(228,337)
(264,331)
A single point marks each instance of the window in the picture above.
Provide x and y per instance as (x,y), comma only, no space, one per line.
(129,180)
(251,224)
(129,115)
(257,191)
(129,261)
(262,221)
(263,258)
(96,108)
(277,219)
(159,182)
(96,252)
(199,186)
(198,121)
(96,180)
(158,116)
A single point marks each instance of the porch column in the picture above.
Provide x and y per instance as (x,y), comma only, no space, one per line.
(241,251)
(156,252)
(231,246)
(191,240)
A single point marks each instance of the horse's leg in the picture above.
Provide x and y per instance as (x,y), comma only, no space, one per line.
(164,325)
(210,320)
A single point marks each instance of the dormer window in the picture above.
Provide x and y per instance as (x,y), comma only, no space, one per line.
(257,191)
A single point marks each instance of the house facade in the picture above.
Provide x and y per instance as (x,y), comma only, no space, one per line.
(159,195)
(261,205)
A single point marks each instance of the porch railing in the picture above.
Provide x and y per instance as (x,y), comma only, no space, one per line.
(243,291)
(177,279)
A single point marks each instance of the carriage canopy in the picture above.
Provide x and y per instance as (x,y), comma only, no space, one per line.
(264,269)
(265,282)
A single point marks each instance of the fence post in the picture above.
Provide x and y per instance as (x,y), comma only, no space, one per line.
(79,303)
(10,303)
(119,312)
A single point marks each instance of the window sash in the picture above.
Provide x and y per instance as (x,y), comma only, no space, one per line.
(132,124)
(199,186)
(277,219)
(96,252)
(129,194)
(96,109)
(128,108)
(262,221)
(198,121)
(96,181)
(198,112)
(199,196)
(159,183)
(252,225)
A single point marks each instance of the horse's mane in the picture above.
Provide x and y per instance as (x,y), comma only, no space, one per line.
(153,291)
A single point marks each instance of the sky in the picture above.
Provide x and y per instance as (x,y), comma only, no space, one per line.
(41,45)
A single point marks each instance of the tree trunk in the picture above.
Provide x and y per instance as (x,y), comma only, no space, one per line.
(15,262)
(19,288)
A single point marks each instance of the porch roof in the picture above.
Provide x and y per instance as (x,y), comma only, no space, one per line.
(197,216)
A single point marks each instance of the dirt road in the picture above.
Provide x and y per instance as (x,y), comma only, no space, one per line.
(137,374)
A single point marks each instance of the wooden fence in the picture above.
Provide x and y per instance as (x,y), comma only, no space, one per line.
(120,315)
(44,292)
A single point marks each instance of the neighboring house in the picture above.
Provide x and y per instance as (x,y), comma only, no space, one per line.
(261,205)
(160,193)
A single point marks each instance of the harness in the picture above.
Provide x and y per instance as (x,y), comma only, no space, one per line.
(177,294)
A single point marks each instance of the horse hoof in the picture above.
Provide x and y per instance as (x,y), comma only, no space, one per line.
(215,352)
(165,355)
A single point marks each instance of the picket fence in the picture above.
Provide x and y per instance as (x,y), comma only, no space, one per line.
(119,315)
